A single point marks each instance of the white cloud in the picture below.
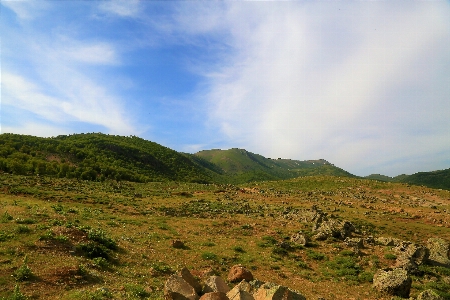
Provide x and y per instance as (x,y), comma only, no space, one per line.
(99,53)
(308,80)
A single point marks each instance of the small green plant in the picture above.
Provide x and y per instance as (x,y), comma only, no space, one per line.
(267,241)
(390,256)
(209,256)
(25,221)
(100,262)
(5,236)
(93,250)
(302,265)
(208,244)
(21,229)
(99,236)
(161,268)
(17,294)
(136,291)
(23,273)
(6,217)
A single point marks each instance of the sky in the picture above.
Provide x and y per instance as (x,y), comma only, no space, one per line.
(362,84)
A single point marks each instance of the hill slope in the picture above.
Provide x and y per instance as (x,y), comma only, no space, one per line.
(97,156)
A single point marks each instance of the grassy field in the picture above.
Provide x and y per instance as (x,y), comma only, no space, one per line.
(71,239)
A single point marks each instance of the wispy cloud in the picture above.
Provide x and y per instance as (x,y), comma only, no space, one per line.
(349,83)
(122,8)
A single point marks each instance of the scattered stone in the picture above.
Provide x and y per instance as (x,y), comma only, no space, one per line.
(300,239)
(215,284)
(332,228)
(214,296)
(395,282)
(238,273)
(241,291)
(429,295)
(271,291)
(178,244)
(176,288)
(387,241)
(439,249)
(190,279)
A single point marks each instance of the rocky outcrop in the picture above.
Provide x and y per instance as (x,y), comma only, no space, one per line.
(396,282)
(439,252)
(190,279)
(332,228)
(387,241)
(238,273)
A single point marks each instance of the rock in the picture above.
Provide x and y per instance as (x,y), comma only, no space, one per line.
(429,295)
(190,279)
(354,242)
(395,282)
(271,291)
(238,273)
(215,284)
(332,228)
(214,296)
(300,239)
(241,291)
(439,249)
(411,257)
(176,288)
(178,244)
(387,241)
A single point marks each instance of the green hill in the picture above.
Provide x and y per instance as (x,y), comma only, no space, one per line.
(435,179)
(244,166)
(97,156)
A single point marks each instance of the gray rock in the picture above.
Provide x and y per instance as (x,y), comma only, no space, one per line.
(387,241)
(354,242)
(395,282)
(439,249)
(411,257)
(241,291)
(215,284)
(332,228)
(429,295)
(300,239)
(176,288)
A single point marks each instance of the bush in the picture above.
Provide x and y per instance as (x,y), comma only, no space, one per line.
(390,256)
(315,255)
(99,236)
(209,256)
(93,250)
(23,273)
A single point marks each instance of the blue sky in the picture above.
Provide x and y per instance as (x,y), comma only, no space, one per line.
(364,85)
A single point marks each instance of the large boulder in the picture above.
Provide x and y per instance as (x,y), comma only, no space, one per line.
(429,295)
(439,252)
(241,291)
(215,284)
(387,241)
(396,282)
(176,288)
(271,291)
(214,296)
(189,278)
(238,273)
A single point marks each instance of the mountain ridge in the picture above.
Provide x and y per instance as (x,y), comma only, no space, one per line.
(98,156)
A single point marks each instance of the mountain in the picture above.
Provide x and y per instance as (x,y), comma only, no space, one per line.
(247,166)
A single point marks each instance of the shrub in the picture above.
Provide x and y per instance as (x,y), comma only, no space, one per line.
(23,273)
(315,255)
(238,249)
(17,295)
(209,256)
(93,250)
(136,291)
(22,229)
(390,256)
(99,236)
